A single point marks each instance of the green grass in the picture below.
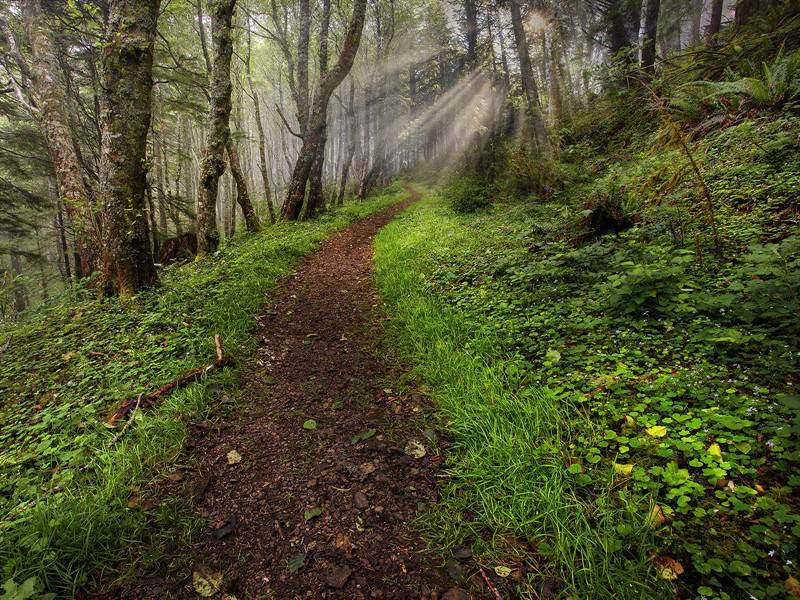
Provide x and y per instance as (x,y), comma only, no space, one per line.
(509,495)
(63,489)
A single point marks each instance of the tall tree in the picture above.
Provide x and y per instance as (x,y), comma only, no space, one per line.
(715,22)
(42,90)
(316,198)
(529,87)
(127,83)
(213,163)
(319,112)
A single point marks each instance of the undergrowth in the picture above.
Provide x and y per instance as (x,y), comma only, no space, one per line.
(622,406)
(69,500)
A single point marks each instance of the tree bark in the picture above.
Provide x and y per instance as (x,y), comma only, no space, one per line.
(127,82)
(652,10)
(213,164)
(319,112)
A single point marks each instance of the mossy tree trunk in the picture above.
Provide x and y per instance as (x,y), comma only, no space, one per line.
(127,82)
(50,105)
(213,164)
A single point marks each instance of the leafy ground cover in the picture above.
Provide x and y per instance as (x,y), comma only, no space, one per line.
(68,498)
(622,407)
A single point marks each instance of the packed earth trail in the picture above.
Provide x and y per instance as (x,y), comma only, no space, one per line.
(309,486)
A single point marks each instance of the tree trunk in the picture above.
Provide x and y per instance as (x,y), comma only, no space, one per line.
(351,142)
(127,82)
(52,116)
(242,196)
(652,10)
(316,197)
(213,164)
(715,24)
(471,14)
(532,101)
(262,153)
(20,295)
(318,116)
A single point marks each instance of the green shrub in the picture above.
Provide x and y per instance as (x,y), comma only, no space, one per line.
(469,194)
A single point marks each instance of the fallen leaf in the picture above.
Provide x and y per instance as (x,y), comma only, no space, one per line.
(234,457)
(668,568)
(623,469)
(657,431)
(312,513)
(792,587)
(502,571)
(759,488)
(415,449)
(337,576)
(206,581)
(310,424)
(296,562)
(363,436)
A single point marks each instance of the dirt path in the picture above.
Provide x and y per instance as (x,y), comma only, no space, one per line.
(320,358)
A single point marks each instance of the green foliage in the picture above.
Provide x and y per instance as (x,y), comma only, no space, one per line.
(63,489)
(669,376)
(469,194)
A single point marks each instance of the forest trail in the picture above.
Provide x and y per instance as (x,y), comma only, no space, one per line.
(320,357)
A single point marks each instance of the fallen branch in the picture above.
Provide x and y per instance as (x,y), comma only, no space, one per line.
(192,376)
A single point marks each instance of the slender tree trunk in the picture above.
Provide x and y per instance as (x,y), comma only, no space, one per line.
(351,143)
(62,240)
(471,14)
(213,164)
(262,153)
(242,196)
(20,295)
(127,59)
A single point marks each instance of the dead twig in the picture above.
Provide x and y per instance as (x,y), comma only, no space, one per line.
(490,585)
(128,422)
(192,376)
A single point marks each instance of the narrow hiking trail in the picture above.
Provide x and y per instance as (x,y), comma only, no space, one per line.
(320,358)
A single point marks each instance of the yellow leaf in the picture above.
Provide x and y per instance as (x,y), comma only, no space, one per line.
(657,431)
(623,469)
(629,421)
(502,571)
(715,450)
(233,457)
(759,488)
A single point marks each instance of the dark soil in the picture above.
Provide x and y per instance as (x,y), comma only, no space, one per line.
(321,357)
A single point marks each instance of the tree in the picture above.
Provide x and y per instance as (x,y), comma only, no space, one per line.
(319,112)
(41,89)
(715,22)
(127,80)
(213,163)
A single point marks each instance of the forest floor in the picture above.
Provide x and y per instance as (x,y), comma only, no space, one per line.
(309,485)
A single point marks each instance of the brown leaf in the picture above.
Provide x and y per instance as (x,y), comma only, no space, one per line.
(792,587)
(668,568)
